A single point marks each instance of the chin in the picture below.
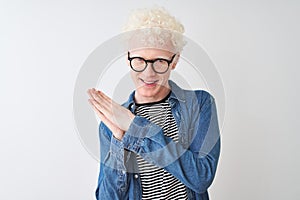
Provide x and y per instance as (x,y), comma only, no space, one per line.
(148,92)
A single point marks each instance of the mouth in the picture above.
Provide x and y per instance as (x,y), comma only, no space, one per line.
(149,83)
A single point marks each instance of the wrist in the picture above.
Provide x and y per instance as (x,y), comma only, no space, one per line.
(118,135)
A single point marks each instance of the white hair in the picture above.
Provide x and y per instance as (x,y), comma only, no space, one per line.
(155,27)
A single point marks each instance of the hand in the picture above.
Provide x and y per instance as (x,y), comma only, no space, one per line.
(114,116)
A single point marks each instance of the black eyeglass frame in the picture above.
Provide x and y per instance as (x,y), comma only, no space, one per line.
(150,61)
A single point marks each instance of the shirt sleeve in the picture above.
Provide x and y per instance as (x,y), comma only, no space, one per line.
(112,167)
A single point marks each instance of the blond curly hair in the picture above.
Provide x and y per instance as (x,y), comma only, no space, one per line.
(155,27)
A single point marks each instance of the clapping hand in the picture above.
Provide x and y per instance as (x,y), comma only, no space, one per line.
(116,117)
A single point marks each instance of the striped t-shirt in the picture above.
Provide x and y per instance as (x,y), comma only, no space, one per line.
(156,182)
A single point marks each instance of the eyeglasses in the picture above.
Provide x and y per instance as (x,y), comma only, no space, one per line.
(159,65)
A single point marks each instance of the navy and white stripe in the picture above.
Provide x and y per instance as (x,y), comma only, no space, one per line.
(156,182)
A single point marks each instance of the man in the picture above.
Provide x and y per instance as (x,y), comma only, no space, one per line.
(163,143)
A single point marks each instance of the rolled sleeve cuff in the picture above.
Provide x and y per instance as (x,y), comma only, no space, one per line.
(139,128)
(117,148)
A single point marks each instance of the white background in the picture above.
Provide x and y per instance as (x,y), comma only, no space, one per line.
(43,44)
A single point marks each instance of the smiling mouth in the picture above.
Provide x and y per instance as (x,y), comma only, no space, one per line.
(149,82)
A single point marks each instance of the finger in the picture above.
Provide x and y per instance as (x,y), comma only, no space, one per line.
(107,106)
(98,111)
(90,93)
(106,120)
(96,96)
(106,100)
(102,104)
(96,105)
(106,112)
(112,107)
(95,108)
(111,103)
(104,95)
(99,96)
(101,99)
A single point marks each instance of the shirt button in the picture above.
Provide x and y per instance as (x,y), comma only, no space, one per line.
(136,176)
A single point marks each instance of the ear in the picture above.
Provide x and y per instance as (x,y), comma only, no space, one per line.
(175,61)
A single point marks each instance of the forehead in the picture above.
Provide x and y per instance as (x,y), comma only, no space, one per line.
(149,53)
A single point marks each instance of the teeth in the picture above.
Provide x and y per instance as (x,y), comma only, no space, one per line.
(149,82)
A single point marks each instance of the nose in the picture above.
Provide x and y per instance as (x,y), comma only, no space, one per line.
(149,70)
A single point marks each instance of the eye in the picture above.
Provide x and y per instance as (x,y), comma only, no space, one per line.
(161,61)
(138,60)
(138,63)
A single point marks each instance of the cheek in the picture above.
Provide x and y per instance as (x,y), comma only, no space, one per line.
(167,75)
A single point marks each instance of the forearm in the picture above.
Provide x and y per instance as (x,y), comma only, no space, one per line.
(194,171)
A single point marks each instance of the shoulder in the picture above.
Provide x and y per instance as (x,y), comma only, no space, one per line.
(191,95)
(198,96)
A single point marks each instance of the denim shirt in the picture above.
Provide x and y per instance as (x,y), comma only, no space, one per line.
(192,160)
